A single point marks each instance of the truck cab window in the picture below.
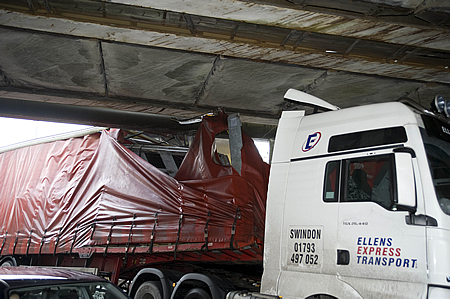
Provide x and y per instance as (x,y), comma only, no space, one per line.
(437,146)
(439,162)
(362,179)
(370,179)
(331,186)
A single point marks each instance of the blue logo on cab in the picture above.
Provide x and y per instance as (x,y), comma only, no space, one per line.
(311,141)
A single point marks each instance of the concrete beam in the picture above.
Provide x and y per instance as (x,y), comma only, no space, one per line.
(72,110)
(224,47)
(305,20)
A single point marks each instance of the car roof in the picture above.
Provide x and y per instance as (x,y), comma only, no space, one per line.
(21,276)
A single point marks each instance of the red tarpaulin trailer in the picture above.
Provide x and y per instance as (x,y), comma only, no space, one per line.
(92,196)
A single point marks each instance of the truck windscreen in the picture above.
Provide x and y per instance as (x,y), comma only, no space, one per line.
(436,137)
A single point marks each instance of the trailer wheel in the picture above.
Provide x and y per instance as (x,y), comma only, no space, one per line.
(8,262)
(197,294)
(149,290)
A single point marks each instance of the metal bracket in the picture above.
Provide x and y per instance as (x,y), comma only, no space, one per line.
(3,243)
(74,239)
(57,241)
(29,243)
(109,236)
(128,242)
(42,244)
(86,253)
(233,228)
(235,133)
(93,228)
(178,236)
(15,242)
(206,233)
(152,238)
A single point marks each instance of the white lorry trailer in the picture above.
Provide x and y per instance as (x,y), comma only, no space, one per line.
(359,204)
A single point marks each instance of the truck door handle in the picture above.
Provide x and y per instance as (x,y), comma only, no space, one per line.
(343,257)
(422,220)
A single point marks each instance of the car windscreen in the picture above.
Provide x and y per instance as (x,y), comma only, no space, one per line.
(91,290)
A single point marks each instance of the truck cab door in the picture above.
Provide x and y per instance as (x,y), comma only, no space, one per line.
(309,231)
(378,252)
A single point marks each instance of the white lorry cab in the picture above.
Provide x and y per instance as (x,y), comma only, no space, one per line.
(359,203)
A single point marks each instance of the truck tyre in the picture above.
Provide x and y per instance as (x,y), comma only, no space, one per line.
(197,294)
(149,290)
(8,262)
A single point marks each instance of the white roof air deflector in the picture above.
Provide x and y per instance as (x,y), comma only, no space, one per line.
(303,97)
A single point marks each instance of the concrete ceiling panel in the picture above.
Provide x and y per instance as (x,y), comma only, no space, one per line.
(346,89)
(29,59)
(264,85)
(152,73)
(285,16)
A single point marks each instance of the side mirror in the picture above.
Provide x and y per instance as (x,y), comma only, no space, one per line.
(406,186)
